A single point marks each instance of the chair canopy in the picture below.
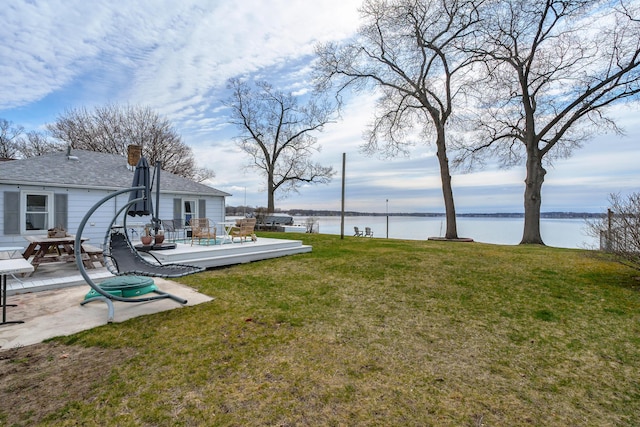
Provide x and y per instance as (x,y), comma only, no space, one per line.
(141,199)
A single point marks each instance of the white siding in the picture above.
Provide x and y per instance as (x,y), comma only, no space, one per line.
(215,209)
(215,206)
(80,201)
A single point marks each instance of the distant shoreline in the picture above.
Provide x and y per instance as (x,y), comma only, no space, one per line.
(546,215)
(231,211)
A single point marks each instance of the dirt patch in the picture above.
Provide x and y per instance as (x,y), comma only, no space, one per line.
(39,379)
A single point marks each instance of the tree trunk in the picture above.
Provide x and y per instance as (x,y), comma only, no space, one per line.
(533,198)
(447,191)
(271,206)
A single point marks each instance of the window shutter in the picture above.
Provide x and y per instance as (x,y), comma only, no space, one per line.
(177,209)
(61,209)
(202,208)
(11,212)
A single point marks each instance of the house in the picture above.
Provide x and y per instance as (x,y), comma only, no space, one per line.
(58,189)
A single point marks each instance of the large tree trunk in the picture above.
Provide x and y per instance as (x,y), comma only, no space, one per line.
(271,206)
(533,198)
(447,191)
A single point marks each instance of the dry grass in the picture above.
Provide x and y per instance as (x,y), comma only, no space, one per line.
(383,332)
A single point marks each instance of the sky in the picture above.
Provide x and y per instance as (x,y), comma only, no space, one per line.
(176,58)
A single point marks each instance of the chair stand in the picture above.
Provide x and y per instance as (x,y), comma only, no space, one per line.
(109,302)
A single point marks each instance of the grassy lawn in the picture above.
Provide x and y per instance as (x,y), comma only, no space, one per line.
(382,332)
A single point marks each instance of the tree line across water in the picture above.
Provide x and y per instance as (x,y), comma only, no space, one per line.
(249,210)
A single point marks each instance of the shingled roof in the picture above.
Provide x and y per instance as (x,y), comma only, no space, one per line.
(89,169)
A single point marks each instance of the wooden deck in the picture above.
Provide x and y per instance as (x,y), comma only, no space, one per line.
(219,255)
(57,275)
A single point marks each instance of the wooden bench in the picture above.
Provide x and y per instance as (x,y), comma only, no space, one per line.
(94,254)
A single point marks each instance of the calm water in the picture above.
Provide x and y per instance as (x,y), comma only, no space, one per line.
(564,233)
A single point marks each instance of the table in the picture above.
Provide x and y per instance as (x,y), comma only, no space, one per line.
(226,227)
(11,266)
(53,249)
(12,252)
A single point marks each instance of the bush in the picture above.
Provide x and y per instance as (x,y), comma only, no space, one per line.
(619,231)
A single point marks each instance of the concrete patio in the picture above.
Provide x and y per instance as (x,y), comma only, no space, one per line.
(48,302)
(57,312)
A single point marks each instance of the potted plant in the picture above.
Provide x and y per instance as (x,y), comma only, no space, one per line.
(159,237)
(146,237)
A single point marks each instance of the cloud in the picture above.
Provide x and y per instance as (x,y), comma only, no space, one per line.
(40,51)
(169,50)
(177,56)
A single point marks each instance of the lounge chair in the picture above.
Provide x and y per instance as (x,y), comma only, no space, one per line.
(368,232)
(201,229)
(121,258)
(357,231)
(244,229)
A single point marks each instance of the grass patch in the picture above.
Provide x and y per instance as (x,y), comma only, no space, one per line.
(382,332)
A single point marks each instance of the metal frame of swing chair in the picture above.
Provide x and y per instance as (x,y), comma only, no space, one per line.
(146,267)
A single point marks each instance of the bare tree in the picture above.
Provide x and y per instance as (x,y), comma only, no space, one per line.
(276,133)
(410,51)
(34,143)
(112,128)
(553,67)
(15,143)
(619,230)
(9,137)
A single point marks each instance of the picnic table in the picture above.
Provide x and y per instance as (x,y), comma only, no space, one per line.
(55,249)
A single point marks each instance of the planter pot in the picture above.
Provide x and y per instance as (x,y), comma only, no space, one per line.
(159,239)
(146,240)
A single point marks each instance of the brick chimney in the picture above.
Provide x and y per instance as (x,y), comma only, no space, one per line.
(134,152)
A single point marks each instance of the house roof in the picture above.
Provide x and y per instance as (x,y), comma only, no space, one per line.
(90,169)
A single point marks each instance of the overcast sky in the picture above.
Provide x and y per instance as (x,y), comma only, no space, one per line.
(176,56)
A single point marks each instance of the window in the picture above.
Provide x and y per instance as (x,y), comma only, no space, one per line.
(190,210)
(38,211)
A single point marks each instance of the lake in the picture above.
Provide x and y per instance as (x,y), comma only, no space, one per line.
(563,233)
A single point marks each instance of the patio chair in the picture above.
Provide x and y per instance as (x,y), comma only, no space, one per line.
(201,229)
(368,232)
(244,229)
(357,232)
(173,229)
